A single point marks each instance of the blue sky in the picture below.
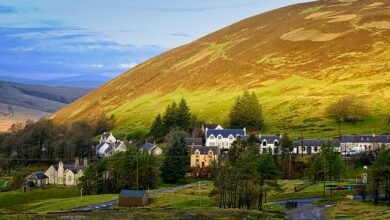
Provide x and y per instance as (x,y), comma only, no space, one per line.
(46,39)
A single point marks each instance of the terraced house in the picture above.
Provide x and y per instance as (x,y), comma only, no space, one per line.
(364,142)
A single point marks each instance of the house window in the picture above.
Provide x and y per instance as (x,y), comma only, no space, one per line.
(69,178)
(276,150)
(315,149)
(211,137)
(231,137)
(210,153)
(197,153)
(219,137)
(197,162)
(264,143)
(212,144)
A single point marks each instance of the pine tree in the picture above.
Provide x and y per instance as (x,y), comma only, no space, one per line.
(246,112)
(169,118)
(183,116)
(176,159)
(157,129)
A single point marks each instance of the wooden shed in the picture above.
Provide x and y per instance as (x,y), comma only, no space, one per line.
(133,198)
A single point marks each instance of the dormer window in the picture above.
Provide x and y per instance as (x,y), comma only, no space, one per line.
(219,137)
(197,153)
(231,137)
(276,143)
(264,143)
(210,153)
(211,137)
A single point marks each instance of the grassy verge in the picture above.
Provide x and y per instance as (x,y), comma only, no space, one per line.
(157,213)
(191,197)
(353,209)
(53,205)
(14,200)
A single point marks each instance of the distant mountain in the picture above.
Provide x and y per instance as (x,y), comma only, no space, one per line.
(19,102)
(82,81)
(297,59)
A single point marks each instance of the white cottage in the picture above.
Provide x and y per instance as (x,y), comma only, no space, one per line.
(60,173)
(222,138)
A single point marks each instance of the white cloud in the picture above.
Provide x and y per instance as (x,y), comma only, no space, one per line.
(127,65)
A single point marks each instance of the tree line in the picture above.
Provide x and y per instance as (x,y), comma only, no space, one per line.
(45,142)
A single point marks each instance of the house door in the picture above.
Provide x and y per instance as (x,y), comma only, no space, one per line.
(308,150)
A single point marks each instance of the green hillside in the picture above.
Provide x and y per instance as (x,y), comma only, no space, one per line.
(298,60)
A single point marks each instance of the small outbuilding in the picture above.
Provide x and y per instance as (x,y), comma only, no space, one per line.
(133,198)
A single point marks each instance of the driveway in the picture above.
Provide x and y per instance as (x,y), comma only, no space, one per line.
(110,204)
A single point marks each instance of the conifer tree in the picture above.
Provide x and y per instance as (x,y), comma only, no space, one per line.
(176,159)
(157,129)
(246,112)
(184,116)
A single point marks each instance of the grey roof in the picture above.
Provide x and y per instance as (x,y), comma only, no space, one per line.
(316,142)
(365,139)
(38,175)
(132,193)
(210,126)
(225,132)
(194,141)
(101,144)
(148,146)
(269,139)
(205,150)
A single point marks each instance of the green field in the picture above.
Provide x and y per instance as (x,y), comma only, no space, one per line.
(17,200)
(352,209)
(191,197)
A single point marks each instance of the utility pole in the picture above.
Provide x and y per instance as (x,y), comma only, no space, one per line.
(137,172)
(302,147)
(289,165)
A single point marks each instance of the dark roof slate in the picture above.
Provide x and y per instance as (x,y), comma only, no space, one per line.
(225,132)
(194,141)
(205,150)
(132,193)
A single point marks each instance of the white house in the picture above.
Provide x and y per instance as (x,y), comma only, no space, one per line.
(269,144)
(312,146)
(107,137)
(364,142)
(109,145)
(57,174)
(72,176)
(222,138)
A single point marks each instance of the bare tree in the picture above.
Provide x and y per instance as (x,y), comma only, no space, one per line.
(347,109)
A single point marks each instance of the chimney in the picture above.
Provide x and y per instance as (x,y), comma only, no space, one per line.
(76,162)
(85,162)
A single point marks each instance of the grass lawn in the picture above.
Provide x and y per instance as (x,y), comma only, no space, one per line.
(15,200)
(352,209)
(52,205)
(156,213)
(186,198)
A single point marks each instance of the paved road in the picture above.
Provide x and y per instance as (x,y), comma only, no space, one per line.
(110,204)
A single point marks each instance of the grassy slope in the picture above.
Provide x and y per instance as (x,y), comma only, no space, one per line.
(285,56)
(15,200)
(350,209)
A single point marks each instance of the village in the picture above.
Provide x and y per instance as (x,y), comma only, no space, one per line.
(234,167)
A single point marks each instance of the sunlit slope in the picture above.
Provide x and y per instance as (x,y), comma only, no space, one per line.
(298,60)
